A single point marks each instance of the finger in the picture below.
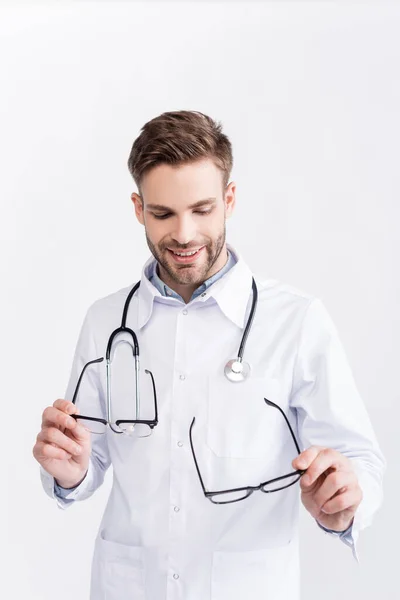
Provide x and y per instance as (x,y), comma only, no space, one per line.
(336,483)
(80,433)
(65,406)
(327,458)
(303,460)
(348,499)
(54,416)
(44,450)
(54,436)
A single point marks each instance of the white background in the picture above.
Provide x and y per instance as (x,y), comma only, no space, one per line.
(309,95)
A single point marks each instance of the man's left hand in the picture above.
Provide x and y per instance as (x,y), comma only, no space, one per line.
(329,490)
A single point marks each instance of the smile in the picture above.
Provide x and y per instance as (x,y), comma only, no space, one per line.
(185,257)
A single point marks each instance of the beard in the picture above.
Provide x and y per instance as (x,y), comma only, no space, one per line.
(193,274)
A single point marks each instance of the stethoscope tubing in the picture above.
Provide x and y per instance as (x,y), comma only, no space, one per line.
(249,320)
(231,374)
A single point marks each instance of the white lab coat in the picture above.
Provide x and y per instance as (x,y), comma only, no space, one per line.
(160,538)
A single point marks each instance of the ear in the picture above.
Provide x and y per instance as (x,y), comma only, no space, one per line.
(230,199)
(138,202)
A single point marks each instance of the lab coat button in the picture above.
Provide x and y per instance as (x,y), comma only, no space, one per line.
(176,508)
(203,294)
(182,377)
(176,576)
(180,444)
(185,312)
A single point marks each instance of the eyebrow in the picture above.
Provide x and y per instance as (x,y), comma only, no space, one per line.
(194,205)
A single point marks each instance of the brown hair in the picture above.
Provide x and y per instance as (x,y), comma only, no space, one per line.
(179,137)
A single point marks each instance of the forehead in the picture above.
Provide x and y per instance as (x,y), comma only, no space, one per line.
(183,185)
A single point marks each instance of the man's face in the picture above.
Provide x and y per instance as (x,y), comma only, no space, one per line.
(183,210)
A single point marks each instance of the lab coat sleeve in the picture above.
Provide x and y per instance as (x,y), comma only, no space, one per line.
(90,401)
(331,413)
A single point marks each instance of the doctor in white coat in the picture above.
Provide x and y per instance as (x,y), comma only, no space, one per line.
(164,535)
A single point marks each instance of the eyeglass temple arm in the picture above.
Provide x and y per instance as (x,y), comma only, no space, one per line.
(155,394)
(91,362)
(194,456)
(270,403)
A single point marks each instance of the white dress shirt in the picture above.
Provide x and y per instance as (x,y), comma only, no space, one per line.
(159,537)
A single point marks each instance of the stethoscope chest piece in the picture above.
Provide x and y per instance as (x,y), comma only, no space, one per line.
(236,370)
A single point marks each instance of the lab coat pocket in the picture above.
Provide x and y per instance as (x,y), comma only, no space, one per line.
(118,571)
(239,423)
(267,573)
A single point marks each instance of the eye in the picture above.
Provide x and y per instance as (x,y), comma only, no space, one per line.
(203,212)
(162,216)
(199,212)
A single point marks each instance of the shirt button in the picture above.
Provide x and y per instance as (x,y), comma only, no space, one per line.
(180,444)
(185,312)
(176,576)
(176,508)
(182,377)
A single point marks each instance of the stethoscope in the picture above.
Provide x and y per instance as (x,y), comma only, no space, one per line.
(236,370)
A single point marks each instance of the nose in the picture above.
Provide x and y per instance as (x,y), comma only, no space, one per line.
(185,230)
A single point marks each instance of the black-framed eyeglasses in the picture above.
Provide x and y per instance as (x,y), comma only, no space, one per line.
(241,493)
(131,427)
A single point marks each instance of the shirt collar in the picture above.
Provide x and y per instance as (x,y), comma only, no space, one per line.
(231,292)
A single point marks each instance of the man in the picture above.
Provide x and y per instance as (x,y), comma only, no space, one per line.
(163,534)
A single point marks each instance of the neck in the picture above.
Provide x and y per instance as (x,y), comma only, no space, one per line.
(185,290)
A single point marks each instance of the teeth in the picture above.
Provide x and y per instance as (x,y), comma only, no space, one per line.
(185,253)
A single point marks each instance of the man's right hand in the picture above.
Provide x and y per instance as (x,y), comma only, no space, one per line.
(63,445)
